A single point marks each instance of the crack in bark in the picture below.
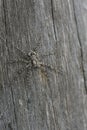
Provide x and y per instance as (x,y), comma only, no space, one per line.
(5,22)
(52,10)
(81,49)
(6,33)
(14,107)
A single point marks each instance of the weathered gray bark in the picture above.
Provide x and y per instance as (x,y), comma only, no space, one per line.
(51,101)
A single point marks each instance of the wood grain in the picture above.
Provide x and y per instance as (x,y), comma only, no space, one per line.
(43,99)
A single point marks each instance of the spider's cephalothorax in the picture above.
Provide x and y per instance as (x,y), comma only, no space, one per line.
(34,59)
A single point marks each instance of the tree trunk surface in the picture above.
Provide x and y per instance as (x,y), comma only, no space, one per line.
(51,96)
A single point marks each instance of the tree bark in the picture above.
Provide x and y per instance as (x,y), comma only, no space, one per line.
(42,98)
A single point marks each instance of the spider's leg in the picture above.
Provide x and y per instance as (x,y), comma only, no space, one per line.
(45,55)
(38,45)
(36,48)
(18,61)
(27,76)
(15,77)
(52,68)
(22,53)
(49,67)
(19,72)
(23,69)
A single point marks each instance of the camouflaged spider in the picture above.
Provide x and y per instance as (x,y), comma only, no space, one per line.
(32,61)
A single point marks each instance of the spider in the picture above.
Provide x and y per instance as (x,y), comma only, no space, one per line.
(32,61)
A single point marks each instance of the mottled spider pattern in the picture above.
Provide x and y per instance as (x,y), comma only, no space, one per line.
(31,61)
